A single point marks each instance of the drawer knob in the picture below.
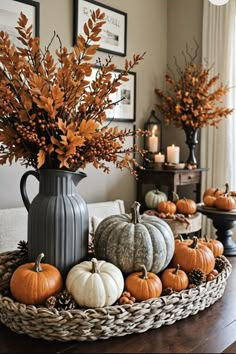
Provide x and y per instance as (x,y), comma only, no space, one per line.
(189,177)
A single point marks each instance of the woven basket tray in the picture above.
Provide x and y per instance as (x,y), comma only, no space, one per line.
(110,321)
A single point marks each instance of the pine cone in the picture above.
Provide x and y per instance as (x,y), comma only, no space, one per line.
(91,249)
(167,291)
(220,263)
(65,301)
(23,247)
(196,276)
(51,302)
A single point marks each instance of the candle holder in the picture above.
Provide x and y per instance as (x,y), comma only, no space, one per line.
(152,143)
(159,165)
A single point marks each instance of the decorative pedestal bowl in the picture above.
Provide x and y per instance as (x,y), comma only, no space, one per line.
(224,222)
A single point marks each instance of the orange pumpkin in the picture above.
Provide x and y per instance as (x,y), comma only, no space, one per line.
(209,200)
(225,202)
(143,285)
(186,206)
(194,255)
(33,283)
(233,195)
(167,207)
(174,278)
(215,192)
(215,246)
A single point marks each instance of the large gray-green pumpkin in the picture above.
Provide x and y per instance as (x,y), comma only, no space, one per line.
(154,197)
(128,241)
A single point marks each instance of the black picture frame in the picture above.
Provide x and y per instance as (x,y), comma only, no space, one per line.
(114,32)
(10,12)
(124,111)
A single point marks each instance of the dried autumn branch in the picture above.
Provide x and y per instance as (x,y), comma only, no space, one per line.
(52,114)
(192,98)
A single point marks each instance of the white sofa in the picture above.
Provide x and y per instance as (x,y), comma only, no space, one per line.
(13,221)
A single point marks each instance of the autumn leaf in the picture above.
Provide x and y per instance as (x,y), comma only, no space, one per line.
(87,128)
(41,158)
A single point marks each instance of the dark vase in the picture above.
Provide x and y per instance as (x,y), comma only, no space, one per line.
(191,140)
(57,219)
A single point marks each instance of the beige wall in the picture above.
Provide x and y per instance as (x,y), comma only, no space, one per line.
(159,27)
(184,25)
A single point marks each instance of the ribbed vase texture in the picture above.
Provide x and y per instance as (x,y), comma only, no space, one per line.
(58,220)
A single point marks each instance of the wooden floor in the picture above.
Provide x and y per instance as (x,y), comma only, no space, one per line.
(210,331)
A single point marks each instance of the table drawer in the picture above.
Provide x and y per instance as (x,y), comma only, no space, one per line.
(189,178)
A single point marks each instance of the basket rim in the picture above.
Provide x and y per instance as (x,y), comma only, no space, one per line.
(86,324)
(222,276)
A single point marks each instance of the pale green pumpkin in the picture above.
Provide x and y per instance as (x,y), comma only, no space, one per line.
(128,241)
(154,197)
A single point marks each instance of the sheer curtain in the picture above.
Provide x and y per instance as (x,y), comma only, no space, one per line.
(218,146)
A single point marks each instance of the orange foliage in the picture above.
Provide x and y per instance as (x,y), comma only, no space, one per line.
(52,115)
(192,99)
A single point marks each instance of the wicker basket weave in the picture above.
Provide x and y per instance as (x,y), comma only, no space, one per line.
(110,321)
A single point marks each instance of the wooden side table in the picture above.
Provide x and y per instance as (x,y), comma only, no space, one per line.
(170,178)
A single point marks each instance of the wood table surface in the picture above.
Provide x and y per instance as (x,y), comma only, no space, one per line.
(210,331)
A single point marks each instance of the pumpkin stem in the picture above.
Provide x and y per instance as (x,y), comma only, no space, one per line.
(135,213)
(144,274)
(176,269)
(37,266)
(226,188)
(195,242)
(94,265)
(174,197)
(180,237)
(206,238)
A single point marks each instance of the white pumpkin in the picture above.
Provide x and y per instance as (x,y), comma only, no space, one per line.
(154,197)
(95,283)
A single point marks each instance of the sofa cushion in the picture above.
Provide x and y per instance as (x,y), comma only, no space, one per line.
(13,221)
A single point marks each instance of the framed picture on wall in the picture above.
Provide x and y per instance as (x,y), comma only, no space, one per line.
(10,12)
(113,34)
(125,110)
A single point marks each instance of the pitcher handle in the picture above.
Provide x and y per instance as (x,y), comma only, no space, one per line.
(23,191)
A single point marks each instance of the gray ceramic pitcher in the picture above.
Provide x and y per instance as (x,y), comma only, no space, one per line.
(57,218)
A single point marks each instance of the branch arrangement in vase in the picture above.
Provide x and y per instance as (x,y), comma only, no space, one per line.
(193,98)
(52,114)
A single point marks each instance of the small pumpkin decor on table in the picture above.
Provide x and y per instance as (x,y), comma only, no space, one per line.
(32,283)
(215,246)
(143,285)
(167,207)
(174,278)
(95,283)
(154,197)
(225,202)
(194,255)
(186,206)
(129,241)
(210,195)
(215,192)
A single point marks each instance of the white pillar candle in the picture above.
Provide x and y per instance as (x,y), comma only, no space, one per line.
(153,142)
(173,154)
(159,157)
